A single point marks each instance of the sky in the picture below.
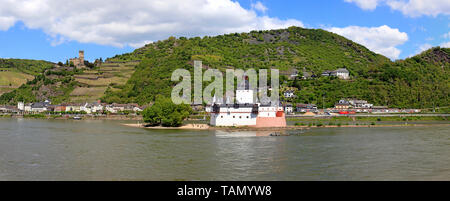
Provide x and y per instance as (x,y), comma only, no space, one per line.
(55,30)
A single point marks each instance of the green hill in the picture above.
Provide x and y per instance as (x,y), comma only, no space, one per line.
(420,82)
(15,72)
(64,84)
(138,77)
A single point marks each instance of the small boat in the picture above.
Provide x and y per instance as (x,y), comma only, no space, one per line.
(77,118)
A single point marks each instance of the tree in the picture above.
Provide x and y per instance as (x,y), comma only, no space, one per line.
(166,113)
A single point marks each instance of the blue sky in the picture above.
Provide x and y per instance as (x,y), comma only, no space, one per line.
(55,30)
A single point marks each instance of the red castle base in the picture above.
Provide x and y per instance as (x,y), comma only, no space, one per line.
(265,122)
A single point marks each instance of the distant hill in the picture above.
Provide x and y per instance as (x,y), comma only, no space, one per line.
(15,72)
(64,84)
(421,81)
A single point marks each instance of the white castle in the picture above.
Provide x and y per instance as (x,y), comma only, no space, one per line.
(245,112)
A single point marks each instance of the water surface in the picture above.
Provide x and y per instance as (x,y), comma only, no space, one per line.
(106,150)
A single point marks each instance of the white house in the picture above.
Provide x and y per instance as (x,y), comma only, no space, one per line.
(27,107)
(288,108)
(342,73)
(21,106)
(39,107)
(289,94)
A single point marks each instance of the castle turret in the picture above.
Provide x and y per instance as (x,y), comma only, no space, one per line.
(81,55)
(244,95)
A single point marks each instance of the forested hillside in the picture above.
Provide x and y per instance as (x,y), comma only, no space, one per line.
(15,72)
(419,82)
(32,67)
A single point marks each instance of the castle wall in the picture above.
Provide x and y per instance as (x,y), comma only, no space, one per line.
(233,117)
(267,122)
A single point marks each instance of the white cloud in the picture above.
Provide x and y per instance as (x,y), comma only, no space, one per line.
(421,48)
(134,22)
(365,4)
(382,40)
(259,7)
(424,47)
(6,22)
(445,44)
(446,35)
(412,8)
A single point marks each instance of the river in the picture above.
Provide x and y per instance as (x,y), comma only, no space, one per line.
(106,150)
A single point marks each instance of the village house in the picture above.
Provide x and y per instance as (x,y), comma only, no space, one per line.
(341,73)
(51,108)
(343,105)
(8,109)
(73,107)
(116,108)
(380,109)
(21,106)
(326,73)
(359,103)
(60,108)
(96,107)
(27,108)
(289,94)
(39,107)
(288,108)
(302,108)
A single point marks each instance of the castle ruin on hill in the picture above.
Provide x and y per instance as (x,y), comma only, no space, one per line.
(78,62)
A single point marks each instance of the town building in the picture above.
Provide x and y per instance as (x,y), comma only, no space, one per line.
(8,109)
(288,108)
(73,107)
(39,107)
(341,73)
(289,94)
(21,106)
(326,73)
(343,105)
(117,108)
(27,108)
(60,108)
(360,103)
(302,108)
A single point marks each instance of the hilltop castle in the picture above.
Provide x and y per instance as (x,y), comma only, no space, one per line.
(78,62)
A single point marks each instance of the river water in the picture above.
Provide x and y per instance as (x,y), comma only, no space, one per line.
(106,150)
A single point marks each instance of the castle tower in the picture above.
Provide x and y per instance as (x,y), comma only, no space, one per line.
(81,55)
